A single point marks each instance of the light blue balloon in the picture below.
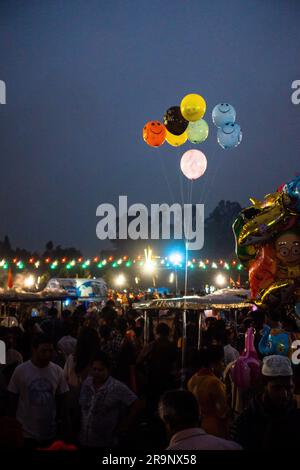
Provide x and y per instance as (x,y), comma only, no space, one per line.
(229,136)
(222,114)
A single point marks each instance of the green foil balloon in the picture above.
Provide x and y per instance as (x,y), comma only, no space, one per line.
(197,131)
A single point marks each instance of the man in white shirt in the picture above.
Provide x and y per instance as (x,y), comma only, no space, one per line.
(38,390)
(179,411)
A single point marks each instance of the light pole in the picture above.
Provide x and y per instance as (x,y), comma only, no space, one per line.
(176,259)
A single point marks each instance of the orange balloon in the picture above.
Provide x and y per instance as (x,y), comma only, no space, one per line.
(154,133)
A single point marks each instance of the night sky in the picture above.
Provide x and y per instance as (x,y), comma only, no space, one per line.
(82,78)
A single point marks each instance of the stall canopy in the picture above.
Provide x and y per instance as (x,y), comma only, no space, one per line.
(223,299)
(46,295)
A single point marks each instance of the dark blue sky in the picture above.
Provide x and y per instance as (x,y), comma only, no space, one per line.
(83,76)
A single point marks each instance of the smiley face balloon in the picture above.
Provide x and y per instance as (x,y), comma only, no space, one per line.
(154,133)
(223,113)
(193,107)
(229,136)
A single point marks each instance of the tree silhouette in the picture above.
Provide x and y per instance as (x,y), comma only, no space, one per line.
(49,246)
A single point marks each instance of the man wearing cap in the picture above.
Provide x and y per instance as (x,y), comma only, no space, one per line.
(273,406)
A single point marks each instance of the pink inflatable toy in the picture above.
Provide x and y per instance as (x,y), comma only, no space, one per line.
(246,370)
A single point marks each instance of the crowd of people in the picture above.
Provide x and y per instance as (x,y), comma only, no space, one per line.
(91,382)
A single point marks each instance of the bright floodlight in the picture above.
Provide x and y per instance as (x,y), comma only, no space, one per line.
(148,267)
(176,258)
(220,280)
(120,280)
(29,281)
(171,279)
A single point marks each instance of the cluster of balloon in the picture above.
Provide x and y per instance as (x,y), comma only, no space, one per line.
(267,235)
(229,133)
(182,123)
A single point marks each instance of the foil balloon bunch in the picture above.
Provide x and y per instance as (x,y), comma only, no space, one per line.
(267,235)
(229,133)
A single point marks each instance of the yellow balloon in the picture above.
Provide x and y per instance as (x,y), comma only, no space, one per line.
(193,107)
(176,140)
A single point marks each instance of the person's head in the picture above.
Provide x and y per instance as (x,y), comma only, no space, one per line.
(229,336)
(42,350)
(130,336)
(79,311)
(53,312)
(218,334)
(100,368)
(108,315)
(66,314)
(212,358)
(247,323)
(105,332)
(274,316)
(71,327)
(278,380)
(110,303)
(88,343)
(10,340)
(179,410)
(29,324)
(121,325)
(162,330)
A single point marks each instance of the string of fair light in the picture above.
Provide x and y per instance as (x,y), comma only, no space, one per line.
(153,263)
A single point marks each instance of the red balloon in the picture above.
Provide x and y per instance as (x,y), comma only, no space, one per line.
(154,133)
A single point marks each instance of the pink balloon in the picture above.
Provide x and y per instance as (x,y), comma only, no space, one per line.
(193,164)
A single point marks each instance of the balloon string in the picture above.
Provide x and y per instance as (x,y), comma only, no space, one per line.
(190,188)
(181,189)
(167,179)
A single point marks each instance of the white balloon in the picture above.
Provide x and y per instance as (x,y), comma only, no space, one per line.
(193,164)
